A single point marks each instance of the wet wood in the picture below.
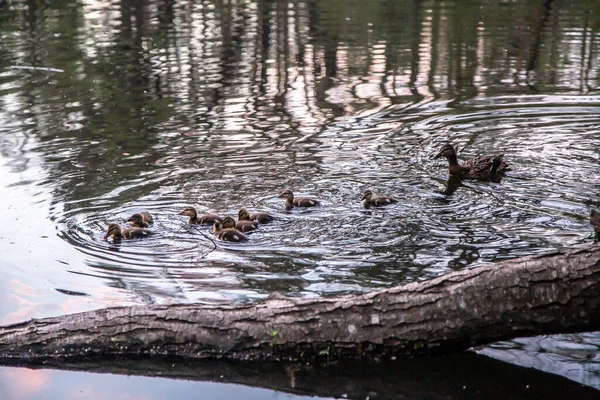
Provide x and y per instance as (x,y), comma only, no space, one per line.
(550,293)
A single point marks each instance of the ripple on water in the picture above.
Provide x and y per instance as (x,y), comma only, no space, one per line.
(339,247)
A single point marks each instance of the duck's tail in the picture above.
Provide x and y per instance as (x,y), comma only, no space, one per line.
(595,221)
(498,166)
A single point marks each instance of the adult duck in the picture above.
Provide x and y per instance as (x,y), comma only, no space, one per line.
(481,168)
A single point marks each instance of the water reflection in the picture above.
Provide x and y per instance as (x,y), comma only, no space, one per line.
(573,356)
(49,385)
(116,107)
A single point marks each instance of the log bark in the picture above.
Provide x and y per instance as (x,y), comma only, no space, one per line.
(550,293)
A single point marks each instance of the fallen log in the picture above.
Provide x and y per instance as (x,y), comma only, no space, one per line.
(543,294)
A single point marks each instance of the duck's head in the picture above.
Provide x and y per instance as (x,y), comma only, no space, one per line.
(113,230)
(136,219)
(217,227)
(446,151)
(228,222)
(287,194)
(244,215)
(189,212)
(367,195)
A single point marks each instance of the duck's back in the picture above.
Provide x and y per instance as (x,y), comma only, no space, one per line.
(147,217)
(595,219)
(209,219)
(382,200)
(483,166)
(131,233)
(232,235)
(305,202)
(245,226)
(262,217)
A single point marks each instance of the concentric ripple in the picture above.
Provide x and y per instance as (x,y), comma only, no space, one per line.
(339,247)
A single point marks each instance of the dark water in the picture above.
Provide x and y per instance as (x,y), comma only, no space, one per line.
(117,107)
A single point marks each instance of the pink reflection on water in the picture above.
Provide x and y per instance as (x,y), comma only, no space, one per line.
(20,302)
(12,382)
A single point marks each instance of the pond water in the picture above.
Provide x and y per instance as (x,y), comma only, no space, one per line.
(110,108)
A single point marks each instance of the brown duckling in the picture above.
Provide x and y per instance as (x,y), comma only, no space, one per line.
(243,226)
(260,217)
(370,200)
(208,219)
(291,202)
(228,234)
(114,231)
(595,221)
(482,167)
(141,220)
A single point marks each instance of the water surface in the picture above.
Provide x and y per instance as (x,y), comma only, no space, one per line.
(116,107)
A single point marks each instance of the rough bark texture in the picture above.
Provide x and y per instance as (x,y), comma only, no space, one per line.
(550,293)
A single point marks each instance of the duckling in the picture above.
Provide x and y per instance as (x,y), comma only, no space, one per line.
(208,219)
(370,200)
(291,202)
(141,220)
(595,221)
(482,167)
(228,234)
(114,231)
(260,217)
(242,225)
